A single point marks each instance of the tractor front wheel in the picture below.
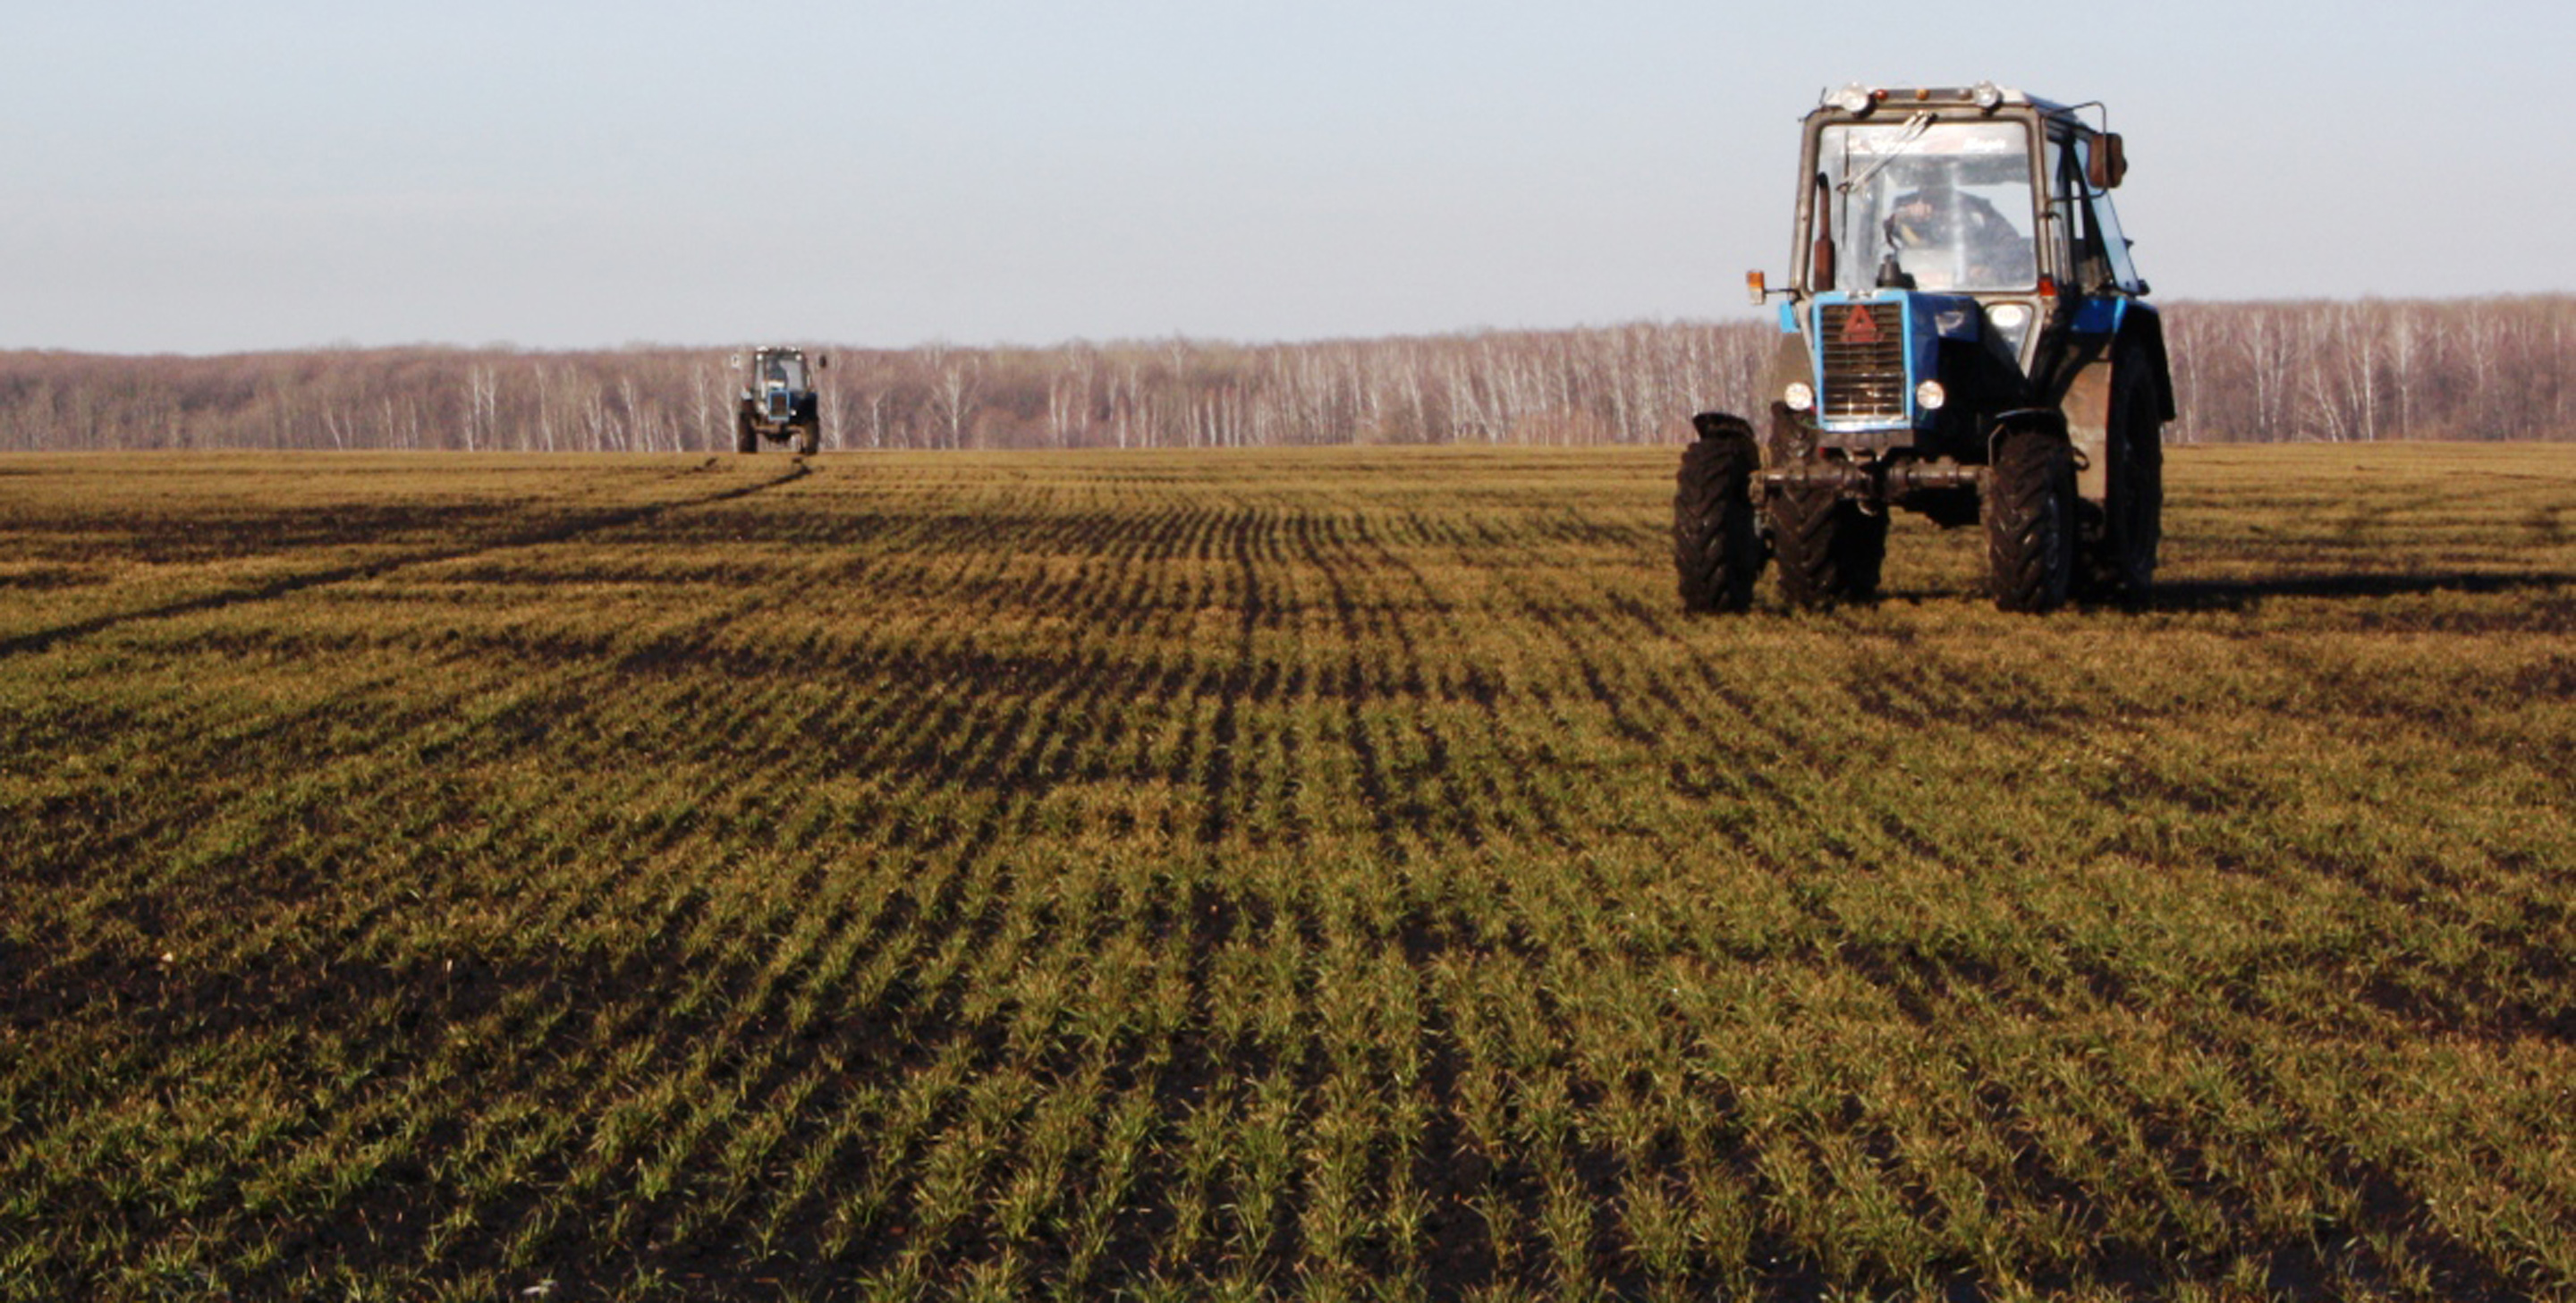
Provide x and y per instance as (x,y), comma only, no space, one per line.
(1829,549)
(808,438)
(2030,519)
(1717,545)
(745,439)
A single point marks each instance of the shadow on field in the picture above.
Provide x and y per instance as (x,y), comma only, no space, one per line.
(557,531)
(2241,594)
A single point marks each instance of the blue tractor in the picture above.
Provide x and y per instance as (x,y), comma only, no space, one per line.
(1963,335)
(779,401)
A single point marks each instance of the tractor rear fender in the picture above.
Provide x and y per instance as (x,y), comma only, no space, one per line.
(2135,328)
(2138,326)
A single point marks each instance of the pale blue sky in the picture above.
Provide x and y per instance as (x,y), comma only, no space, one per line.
(276,173)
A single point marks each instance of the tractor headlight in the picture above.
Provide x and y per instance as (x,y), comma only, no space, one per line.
(2010,320)
(1800,396)
(1929,395)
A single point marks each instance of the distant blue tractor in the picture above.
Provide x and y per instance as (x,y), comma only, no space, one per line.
(779,402)
(1963,336)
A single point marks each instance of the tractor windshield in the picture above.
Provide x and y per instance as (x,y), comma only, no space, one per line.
(1929,205)
(782,369)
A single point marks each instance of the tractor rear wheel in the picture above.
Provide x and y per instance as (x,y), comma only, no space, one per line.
(2134,508)
(745,439)
(1717,545)
(2030,519)
(1829,548)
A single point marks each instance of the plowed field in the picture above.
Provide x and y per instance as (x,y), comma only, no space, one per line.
(1320,874)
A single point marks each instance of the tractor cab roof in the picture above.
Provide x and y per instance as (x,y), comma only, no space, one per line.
(1860,101)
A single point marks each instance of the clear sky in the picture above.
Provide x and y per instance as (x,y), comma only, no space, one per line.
(578,173)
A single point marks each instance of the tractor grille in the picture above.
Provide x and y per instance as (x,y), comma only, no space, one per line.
(1864,352)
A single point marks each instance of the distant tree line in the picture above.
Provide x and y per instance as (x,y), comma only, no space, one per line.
(2259,372)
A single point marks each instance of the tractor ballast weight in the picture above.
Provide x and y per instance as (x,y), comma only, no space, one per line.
(779,401)
(1963,335)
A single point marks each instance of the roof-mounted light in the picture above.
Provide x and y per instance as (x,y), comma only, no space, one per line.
(1988,96)
(1854,99)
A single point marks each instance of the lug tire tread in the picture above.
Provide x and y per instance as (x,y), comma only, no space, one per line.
(1829,549)
(2136,505)
(1717,545)
(2030,521)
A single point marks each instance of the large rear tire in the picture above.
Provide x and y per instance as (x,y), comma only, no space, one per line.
(2030,520)
(1717,545)
(1829,549)
(2133,511)
(806,426)
(745,439)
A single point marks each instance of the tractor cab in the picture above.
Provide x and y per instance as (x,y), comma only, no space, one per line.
(778,379)
(1976,221)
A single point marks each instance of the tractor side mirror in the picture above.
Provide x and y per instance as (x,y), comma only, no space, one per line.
(1757,288)
(2107,163)
(735,361)
(822,361)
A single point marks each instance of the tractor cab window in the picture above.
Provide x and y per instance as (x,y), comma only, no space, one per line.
(783,370)
(2115,246)
(1928,205)
(2100,254)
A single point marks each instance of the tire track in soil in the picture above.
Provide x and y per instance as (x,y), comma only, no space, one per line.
(557,532)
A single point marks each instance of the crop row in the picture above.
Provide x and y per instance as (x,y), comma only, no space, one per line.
(1332,873)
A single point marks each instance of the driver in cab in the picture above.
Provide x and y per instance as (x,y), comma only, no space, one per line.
(1941,216)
